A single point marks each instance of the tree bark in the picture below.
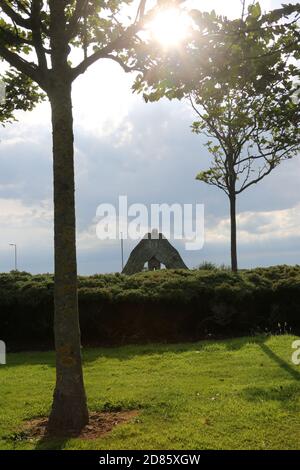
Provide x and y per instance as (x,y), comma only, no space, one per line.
(234,265)
(69,409)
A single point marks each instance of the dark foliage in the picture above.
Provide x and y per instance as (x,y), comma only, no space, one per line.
(177,305)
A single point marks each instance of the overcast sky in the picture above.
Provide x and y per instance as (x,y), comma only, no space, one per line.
(124,146)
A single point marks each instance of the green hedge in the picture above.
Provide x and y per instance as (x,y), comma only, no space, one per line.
(175,305)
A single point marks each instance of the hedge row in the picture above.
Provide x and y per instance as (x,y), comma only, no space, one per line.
(175,305)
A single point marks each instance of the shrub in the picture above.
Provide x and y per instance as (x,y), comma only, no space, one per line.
(167,305)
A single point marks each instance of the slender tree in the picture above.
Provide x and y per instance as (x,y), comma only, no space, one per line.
(37,38)
(252,134)
(240,79)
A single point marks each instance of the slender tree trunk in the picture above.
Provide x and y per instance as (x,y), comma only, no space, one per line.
(69,409)
(234,265)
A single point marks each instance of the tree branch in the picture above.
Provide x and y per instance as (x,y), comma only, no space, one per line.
(28,68)
(12,39)
(37,34)
(124,66)
(120,43)
(77,15)
(255,181)
(14,16)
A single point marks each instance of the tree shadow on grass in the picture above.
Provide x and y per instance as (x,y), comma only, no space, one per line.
(46,443)
(261,342)
(126,352)
(280,362)
(287,395)
(130,351)
(123,352)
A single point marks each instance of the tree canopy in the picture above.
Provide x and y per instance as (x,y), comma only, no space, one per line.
(224,49)
(102,29)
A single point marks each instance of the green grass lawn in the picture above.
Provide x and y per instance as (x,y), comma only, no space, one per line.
(234,394)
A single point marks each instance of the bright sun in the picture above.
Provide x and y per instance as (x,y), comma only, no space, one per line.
(170,27)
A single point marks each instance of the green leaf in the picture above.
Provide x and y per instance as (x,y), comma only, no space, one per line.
(255,10)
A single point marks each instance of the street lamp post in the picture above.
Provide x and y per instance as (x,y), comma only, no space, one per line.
(122,251)
(16,260)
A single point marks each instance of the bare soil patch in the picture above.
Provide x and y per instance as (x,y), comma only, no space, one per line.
(99,424)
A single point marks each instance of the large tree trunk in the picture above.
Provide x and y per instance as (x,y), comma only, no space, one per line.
(234,265)
(69,409)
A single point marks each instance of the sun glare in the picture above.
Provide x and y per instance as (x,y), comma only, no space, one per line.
(170,27)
